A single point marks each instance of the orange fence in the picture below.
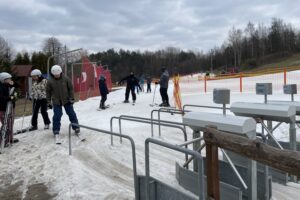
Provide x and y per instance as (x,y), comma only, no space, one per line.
(241,82)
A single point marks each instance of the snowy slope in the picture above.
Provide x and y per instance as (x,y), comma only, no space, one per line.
(97,170)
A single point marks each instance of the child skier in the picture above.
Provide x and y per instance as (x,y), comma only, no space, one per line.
(5,85)
(60,94)
(103,91)
(38,95)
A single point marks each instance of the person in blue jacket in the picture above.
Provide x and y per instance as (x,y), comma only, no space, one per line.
(103,91)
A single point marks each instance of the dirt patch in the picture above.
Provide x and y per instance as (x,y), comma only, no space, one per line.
(11,192)
(37,192)
(34,192)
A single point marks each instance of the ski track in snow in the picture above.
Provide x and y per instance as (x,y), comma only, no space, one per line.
(97,170)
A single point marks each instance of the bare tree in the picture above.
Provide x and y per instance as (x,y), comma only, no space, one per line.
(250,30)
(5,53)
(235,38)
(52,46)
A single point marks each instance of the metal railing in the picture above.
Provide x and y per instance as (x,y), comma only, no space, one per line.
(164,110)
(226,155)
(147,121)
(136,187)
(200,106)
(156,120)
(179,149)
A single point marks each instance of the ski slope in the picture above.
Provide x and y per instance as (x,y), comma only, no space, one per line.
(97,170)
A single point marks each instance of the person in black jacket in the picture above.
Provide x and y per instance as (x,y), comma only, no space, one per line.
(132,81)
(5,85)
(164,84)
(103,91)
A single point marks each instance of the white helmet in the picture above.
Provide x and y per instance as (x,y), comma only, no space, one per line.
(56,70)
(36,72)
(3,76)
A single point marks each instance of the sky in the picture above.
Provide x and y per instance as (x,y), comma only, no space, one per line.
(98,25)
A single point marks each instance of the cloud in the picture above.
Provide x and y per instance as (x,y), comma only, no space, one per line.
(135,24)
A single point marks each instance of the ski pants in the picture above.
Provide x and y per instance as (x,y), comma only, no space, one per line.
(164,95)
(57,109)
(37,105)
(128,89)
(103,99)
(149,87)
(10,124)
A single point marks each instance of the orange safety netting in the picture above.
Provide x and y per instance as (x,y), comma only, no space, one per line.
(176,92)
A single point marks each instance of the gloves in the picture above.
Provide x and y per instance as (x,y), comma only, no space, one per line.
(49,106)
(71,101)
(14,96)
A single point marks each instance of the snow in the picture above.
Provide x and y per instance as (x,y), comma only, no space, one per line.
(97,170)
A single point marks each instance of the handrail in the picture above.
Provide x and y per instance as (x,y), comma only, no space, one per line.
(164,111)
(200,106)
(156,120)
(147,122)
(175,148)
(136,188)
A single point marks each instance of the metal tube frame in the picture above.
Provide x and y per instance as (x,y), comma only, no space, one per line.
(136,188)
(226,155)
(234,169)
(146,122)
(175,111)
(270,134)
(200,106)
(191,141)
(175,148)
(156,120)
(54,55)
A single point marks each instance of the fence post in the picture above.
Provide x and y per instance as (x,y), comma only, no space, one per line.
(205,84)
(241,82)
(212,167)
(284,76)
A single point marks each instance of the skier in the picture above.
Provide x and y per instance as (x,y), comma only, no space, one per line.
(132,81)
(60,94)
(38,95)
(103,91)
(5,85)
(149,80)
(142,82)
(164,83)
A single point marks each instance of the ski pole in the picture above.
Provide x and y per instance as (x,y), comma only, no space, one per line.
(26,98)
(154,94)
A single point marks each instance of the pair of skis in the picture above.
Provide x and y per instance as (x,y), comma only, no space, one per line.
(58,140)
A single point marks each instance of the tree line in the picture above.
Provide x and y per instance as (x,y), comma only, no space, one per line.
(255,45)
(246,48)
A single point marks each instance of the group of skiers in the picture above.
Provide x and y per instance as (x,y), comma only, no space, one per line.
(132,82)
(57,92)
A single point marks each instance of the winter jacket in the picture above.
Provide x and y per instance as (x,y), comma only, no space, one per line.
(149,80)
(38,90)
(59,91)
(103,87)
(164,79)
(131,80)
(4,96)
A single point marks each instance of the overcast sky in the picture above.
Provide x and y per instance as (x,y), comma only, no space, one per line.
(98,25)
